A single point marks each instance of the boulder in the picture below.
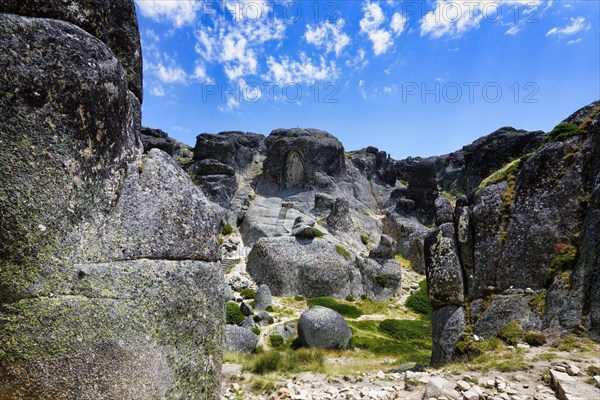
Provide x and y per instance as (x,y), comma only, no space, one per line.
(504,309)
(292,267)
(448,326)
(339,218)
(246,309)
(239,339)
(443,211)
(382,279)
(113,23)
(440,387)
(263,297)
(323,328)
(303,228)
(386,249)
(444,273)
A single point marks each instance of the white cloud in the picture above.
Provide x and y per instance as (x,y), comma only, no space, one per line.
(455,17)
(513,30)
(168,73)
(303,71)
(179,13)
(577,25)
(372,24)
(157,90)
(398,22)
(328,36)
(361,89)
(575,41)
(359,61)
(390,89)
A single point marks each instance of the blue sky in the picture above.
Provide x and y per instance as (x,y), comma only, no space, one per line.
(414,78)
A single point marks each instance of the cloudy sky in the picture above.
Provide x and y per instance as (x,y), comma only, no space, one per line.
(418,77)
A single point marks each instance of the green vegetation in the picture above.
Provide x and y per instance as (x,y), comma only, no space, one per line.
(233,314)
(256,330)
(346,310)
(381,280)
(318,233)
(564,260)
(511,333)
(562,132)
(350,298)
(227,229)
(299,298)
(364,297)
(364,239)
(269,308)
(535,338)
(411,344)
(419,300)
(276,341)
(343,252)
(403,261)
(573,342)
(248,293)
(538,302)
(286,361)
(511,169)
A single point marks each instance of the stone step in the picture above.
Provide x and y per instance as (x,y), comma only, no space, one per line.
(572,387)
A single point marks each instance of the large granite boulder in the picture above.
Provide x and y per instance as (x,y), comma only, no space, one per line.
(94,279)
(263,297)
(323,328)
(301,159)
(292,266)
(239,339)
(448,324)
(114,23)
(504,309)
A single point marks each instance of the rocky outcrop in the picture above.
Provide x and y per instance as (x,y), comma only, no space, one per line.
(108,263)
(323,328)
(158,139)
(525,247)
(239,339)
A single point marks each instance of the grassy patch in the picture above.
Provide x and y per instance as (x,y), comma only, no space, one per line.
(574,343)
(227,229)
(286,361)
(405,329)
(276,341)
(347,310)
(415,346)
(364,239)
(562,132)
(419,300)
(318,233)
(511,333)
(535,338)
(564,260)
(511,169)
(343,252)
(233,314)
(538,302)
(248,293)
(404,262)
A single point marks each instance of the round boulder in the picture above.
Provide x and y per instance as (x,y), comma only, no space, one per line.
(239,339)
(323,328)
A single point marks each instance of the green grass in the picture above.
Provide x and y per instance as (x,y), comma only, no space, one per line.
(510,169)
(535,338)
(364,239)
(564,260)
(343,252)
(276,341)
(233,314)
(248,293)
(227,229)
(414,347)
(511,333)
(538,302)
(562,132)
(419,300)
(405,329)
(347,310)
(286,361)
(318,233)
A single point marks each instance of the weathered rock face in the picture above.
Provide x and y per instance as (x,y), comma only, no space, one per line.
(323,328)
(239,339)
(291,266)
(530,237)
(158,139)
(301,159)
(448,326)
(99,278)
(114,23)
(422,190)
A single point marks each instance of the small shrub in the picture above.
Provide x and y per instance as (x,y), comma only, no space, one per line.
(535,338)
(276,341)
(364,239)
(343,252)
(350,298)
(299,298)
(263,385)
(346,310)
(270,320)
(381,280)
(252,303)
(227,229)
(511,333)
(269,308)
(248,293)
(256,330)
(318,233)
(233,314)
(364,297)
(419,300)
